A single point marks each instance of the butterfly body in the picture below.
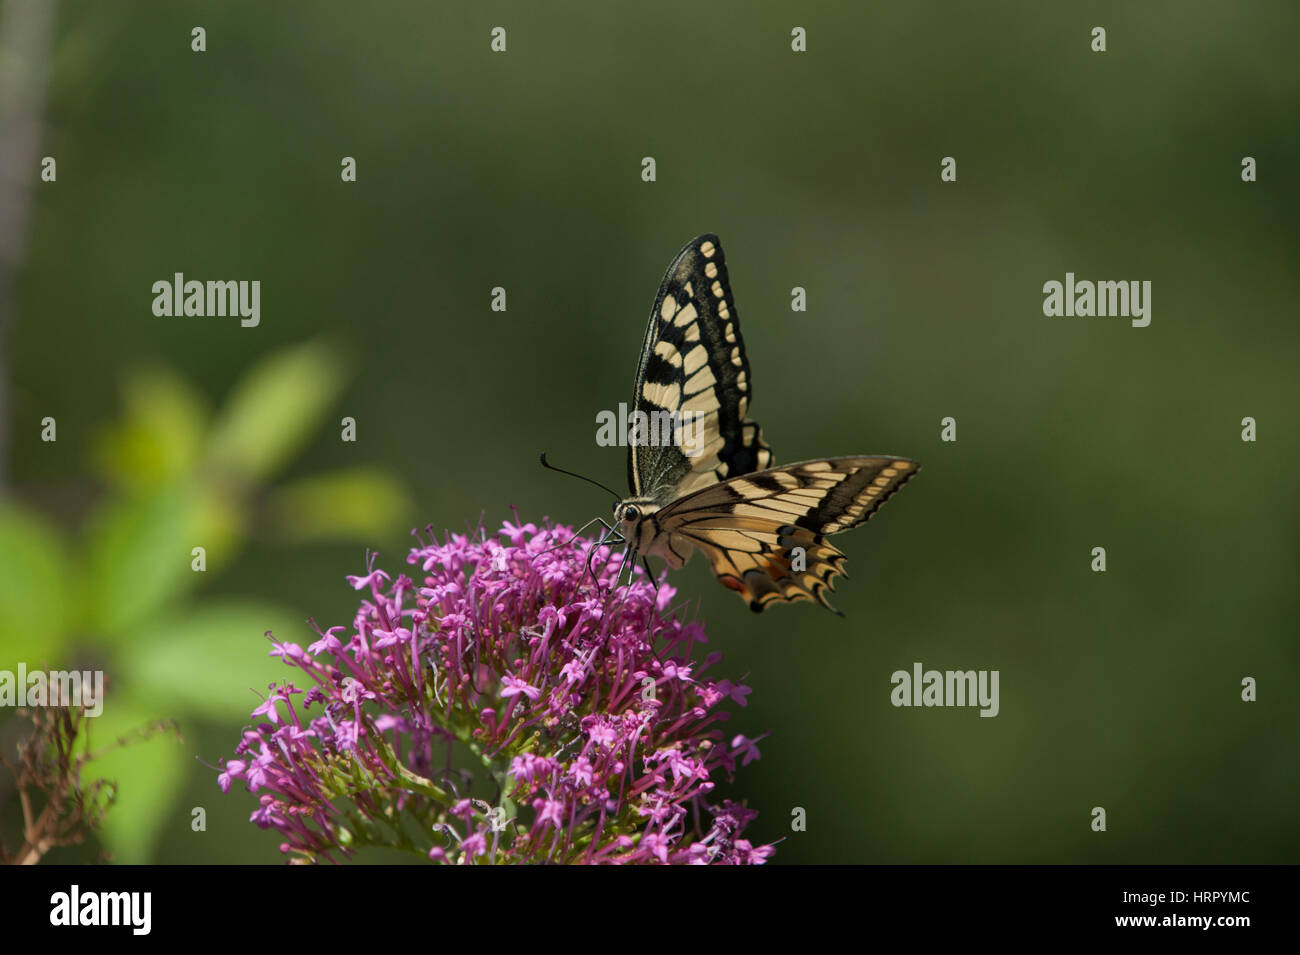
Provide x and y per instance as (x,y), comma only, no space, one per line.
(711,486)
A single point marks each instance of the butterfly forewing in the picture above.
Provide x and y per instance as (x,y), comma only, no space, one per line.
(694,374)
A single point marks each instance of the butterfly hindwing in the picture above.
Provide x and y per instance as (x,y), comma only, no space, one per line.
(693,366)
(749,526)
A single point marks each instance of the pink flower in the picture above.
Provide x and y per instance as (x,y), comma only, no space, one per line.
(514,686)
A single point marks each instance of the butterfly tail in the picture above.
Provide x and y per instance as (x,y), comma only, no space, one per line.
(801,566)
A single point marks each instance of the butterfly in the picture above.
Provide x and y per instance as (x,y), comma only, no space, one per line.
(700,475)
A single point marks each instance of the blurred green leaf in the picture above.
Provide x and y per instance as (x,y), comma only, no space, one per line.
(214,661)
(220,522)
(159,437)
(33,596)
(274,410)
(140,557)
(149,773)
(358,503)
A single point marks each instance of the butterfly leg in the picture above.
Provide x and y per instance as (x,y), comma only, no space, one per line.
(645,562)
(611,536)
(629,561)
(576,535)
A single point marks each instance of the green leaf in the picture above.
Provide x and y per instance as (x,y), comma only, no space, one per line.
(33,589)
(159,438)
(140,558)
(273,412)
(213,662)
(355,504)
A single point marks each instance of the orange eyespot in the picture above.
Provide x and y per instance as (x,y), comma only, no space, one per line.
(731,583)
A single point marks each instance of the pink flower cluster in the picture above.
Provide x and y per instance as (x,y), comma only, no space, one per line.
(514,706)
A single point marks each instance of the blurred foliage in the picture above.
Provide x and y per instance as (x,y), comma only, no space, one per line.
(61,804)
(122,593)
(820,170)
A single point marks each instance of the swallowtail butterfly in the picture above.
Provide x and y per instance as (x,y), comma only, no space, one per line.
(713,487)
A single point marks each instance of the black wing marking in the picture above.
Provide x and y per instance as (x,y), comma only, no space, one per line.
(693,365)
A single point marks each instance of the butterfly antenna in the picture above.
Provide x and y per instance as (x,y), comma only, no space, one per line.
(581,477)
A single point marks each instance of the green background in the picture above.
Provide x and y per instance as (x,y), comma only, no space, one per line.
(819,170)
